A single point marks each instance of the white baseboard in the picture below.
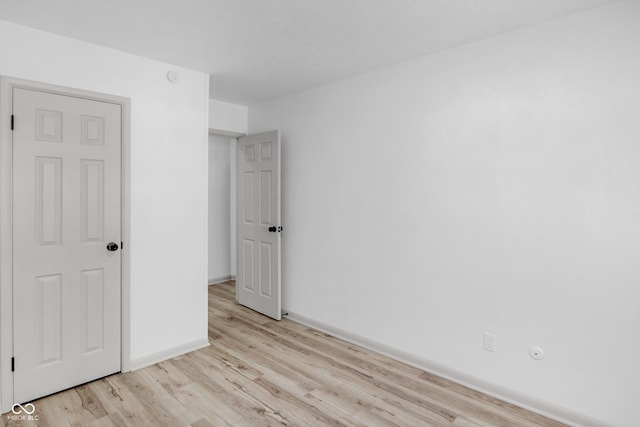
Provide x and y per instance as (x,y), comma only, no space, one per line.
(222,279)
(522,400)
(170,353)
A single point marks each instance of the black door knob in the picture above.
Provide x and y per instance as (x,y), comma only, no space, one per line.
(272,229)
(112,246)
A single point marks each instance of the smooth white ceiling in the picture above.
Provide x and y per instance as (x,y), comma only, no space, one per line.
(261,49)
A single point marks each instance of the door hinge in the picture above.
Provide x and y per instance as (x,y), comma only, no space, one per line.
(12,122)
(13,364)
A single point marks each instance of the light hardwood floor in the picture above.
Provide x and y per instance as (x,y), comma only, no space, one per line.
(259,372)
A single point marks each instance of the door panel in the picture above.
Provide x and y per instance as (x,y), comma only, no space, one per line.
(48,201)
(92,303)
(66,208)
(92,200)
(49,318)
(258,272)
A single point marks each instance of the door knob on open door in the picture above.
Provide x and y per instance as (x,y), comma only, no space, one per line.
(112,246)
(272,229)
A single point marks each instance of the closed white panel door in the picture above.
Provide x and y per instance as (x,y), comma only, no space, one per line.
(66,210)
(259,227)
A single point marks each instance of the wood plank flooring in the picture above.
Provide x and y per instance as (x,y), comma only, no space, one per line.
(259,372)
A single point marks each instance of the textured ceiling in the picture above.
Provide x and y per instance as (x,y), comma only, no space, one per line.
(261,49)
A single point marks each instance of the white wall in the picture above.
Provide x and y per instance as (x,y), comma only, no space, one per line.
(219,208)
(228,117)
(168,175)
(493,187)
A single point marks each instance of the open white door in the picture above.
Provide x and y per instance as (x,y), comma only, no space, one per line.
(258,222)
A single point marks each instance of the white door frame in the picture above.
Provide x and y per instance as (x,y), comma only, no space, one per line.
(6,226)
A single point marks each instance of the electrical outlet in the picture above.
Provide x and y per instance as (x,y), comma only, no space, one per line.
(489,342)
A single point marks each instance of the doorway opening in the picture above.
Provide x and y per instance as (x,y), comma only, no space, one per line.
(251,211)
